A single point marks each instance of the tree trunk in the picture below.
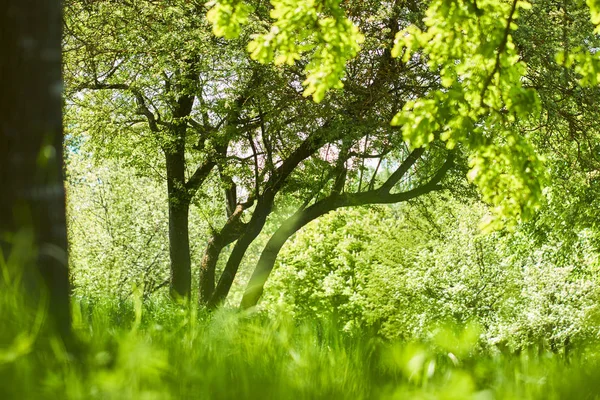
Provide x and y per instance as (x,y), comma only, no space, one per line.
(259,217)
(179,240)
(265,264)
(179,251)
(231,232)
(232,266)
(207,269)
(262,211)
(31,148)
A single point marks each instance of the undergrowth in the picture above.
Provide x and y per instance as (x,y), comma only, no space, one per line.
(158,350)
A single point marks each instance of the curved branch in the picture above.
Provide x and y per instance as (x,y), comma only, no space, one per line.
(302,217)
(143,109)
(401,170)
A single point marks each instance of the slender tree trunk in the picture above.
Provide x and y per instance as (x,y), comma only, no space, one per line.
(179,240)
(232,230)
(230,233)
(265,264)
(302,217)
(232,266)
(31,152)
(257,222)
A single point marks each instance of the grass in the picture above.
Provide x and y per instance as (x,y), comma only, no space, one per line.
(158,350)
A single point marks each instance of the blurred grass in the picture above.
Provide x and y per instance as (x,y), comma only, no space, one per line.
(158,350)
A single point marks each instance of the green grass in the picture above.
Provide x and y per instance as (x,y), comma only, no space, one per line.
(162,351)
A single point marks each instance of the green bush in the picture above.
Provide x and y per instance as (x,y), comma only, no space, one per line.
(402,271)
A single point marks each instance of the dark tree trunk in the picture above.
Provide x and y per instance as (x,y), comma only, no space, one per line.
(179,240)
(231,268)
(259,217)
(179,250)
(31,152)
(231,232)
(263,209)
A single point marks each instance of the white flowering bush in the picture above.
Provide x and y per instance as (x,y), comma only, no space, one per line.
(403,271)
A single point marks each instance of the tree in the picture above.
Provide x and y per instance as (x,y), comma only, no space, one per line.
(338,199)
(484,100)
(152,89)
(494,77)
(32,204)
(406,270)
(210,113)
(244,124)
(118,227)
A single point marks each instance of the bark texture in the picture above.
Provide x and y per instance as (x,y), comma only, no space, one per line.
(179,241)
(232,230)
(31,149)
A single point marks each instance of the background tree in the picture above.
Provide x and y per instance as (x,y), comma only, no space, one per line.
(338,199)
(480,102)
(245,124)
(155,77)
(248,130)
(428,259)
(118,229)
(567,132)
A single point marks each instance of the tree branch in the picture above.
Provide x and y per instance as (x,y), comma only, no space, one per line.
(401,170)
(199,176)
(302,217)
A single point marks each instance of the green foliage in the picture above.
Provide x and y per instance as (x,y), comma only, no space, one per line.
(27,314)
(484,100)
(227,17)
(404,272)
(481,102)
(330,42)
(324,273)
(118,227)
(334,40)
(377,303)
(584,58)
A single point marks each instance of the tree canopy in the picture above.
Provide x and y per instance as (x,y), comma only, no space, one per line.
(198,118)
(307,107)
(485,100)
